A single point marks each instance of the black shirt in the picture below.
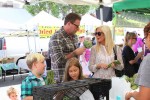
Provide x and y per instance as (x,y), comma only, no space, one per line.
(128,55)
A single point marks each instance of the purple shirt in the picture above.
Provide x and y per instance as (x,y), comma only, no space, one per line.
(139,43)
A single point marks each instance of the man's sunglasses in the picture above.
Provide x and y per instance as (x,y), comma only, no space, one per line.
(98,33)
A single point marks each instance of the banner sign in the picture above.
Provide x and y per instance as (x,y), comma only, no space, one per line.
(81,30)
(119,31)
(47,31)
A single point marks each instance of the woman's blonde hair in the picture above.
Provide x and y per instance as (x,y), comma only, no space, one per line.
(128,36)
(34,57)
(72,62)
(109,43)
(11,90)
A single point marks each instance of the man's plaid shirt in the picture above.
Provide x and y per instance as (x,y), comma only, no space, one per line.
(60,45)
(28,83)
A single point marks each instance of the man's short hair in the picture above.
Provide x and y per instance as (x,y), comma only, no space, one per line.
(71,17)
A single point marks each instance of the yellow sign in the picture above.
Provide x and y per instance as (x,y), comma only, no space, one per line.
(81,30)
(47,31)
(119,31)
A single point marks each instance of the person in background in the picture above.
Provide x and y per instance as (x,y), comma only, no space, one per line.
(12,93)
(35,62)
(139,44)
(143,79)
(129,59)
(84,59)
(63,45)
(93,41)
(102,54)
(81,40)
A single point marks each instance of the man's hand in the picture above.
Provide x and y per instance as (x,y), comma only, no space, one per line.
(79,51)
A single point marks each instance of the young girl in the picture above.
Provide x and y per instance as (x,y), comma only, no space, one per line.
(73,70)
(12,93)
(129,58)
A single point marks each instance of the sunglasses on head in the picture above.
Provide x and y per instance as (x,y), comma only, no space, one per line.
(98,33)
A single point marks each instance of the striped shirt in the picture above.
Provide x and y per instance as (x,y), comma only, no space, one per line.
(28,83)
(61,44)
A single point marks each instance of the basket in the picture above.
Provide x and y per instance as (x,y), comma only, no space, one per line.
(71,90)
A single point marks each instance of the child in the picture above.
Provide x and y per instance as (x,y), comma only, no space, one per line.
(36,64)
(12,93)
(73,70)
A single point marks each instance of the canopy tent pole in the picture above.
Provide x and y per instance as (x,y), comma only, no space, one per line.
(28,40)
(101,13)
(35,40)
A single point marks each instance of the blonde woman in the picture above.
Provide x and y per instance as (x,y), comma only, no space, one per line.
(102,54)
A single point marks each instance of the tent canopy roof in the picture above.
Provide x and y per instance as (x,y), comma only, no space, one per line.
(44,19)
(138,6)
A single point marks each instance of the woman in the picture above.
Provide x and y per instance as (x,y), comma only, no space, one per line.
(102,54)
(129,58)
(143,79)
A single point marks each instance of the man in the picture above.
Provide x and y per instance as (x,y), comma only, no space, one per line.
(63,45)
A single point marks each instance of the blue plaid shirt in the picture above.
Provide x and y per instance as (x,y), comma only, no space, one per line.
(61,44)
(28,83)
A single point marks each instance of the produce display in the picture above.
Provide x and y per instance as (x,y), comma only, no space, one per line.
(50,77)
(131,80)
(87,44)
(115,62)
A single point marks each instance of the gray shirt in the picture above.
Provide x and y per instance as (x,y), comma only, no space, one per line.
(143,78)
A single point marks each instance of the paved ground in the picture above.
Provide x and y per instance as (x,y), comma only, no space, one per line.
(9,80)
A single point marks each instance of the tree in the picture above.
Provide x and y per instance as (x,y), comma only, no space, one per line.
(56,9)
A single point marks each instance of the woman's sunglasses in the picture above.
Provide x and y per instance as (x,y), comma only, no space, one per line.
(98,33)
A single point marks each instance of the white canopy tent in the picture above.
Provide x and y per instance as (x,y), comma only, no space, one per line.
(6,25)
(43,19)
(90,22)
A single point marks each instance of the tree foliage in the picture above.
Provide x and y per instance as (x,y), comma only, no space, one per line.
(56,9)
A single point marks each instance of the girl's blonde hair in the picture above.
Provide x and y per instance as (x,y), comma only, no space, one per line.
(34,57)
(128,36)
(11,90)
(72,62)
(109,43)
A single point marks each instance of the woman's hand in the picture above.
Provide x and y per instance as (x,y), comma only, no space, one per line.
(102,65)
(113,65)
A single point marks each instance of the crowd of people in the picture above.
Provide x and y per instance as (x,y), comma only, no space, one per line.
(67,55)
